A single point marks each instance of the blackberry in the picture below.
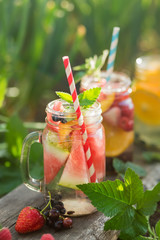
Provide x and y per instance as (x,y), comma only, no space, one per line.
(70,212)
(63,120)
(58,225)
(62,210)
(57,197)
(54,214)
(55,118)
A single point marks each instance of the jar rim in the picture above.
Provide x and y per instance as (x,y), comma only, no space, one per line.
(119,82)
(94,110)
(148,62)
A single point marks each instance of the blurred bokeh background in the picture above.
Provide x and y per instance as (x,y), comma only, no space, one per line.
(34,35)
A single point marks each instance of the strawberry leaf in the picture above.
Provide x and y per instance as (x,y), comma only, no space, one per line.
(148,204)
(117,199)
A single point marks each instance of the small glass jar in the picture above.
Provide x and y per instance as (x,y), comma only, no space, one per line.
(118,115)
(64,160)
(146,98)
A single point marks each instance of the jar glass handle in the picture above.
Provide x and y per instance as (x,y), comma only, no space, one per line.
(32,183)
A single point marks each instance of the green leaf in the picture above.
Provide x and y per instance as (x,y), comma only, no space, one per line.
(148,204)
(101,60)
(15,135)
(65,96)
(93,64)
(78,76)
(139,226)
(121,167)
(88,97)
(151,156)
(117,199)
(3,86)
(10,178)
(36,161)
(131,180)
(157,228)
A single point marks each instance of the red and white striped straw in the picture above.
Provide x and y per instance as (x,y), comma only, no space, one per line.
(68,70)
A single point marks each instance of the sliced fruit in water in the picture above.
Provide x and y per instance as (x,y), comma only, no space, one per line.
(54,157)
(147,105)
(97,146)
(112,116)
(76,170)
(117,140)
(107,102)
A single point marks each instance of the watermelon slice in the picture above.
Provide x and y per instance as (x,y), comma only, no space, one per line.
(76,170)
(54,157)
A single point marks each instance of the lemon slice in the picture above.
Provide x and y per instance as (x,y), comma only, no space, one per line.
(147,105)
(117,140)
(106,103)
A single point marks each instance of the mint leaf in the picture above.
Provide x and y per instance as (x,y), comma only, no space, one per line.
(148,204)
(88,97)
(93,65)
(157,228)
(65,96)
(101,60)
(121,167)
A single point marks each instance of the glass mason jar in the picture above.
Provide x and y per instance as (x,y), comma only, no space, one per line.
(64,159)
(146,98)
(118,115)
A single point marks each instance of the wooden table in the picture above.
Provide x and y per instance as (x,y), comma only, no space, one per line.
(86,228)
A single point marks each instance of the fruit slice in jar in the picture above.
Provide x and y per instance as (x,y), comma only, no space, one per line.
(54,156)
(76,170)
(107,101)
(147,106)
(97,147)
(117,140)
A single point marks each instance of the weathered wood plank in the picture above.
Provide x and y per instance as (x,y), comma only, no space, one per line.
(88,227)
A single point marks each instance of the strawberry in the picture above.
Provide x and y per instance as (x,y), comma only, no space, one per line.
(5,234)
(47,237)
(126,124)
(29,220)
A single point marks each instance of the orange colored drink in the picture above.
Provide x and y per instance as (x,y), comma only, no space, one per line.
(146,98)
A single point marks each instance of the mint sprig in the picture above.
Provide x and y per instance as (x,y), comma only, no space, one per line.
(86,99)
(127,205)
(92,66)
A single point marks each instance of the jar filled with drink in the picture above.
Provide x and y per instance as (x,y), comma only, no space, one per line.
(118,115)
(65,163)
(146,98)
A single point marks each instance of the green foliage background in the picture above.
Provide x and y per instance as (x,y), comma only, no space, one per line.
(34,35)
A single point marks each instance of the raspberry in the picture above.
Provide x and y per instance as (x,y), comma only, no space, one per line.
(5,234)
(47,237)
(126,111)
(126,124)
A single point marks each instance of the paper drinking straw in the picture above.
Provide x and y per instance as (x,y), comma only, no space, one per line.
(112,52)
(69,74)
